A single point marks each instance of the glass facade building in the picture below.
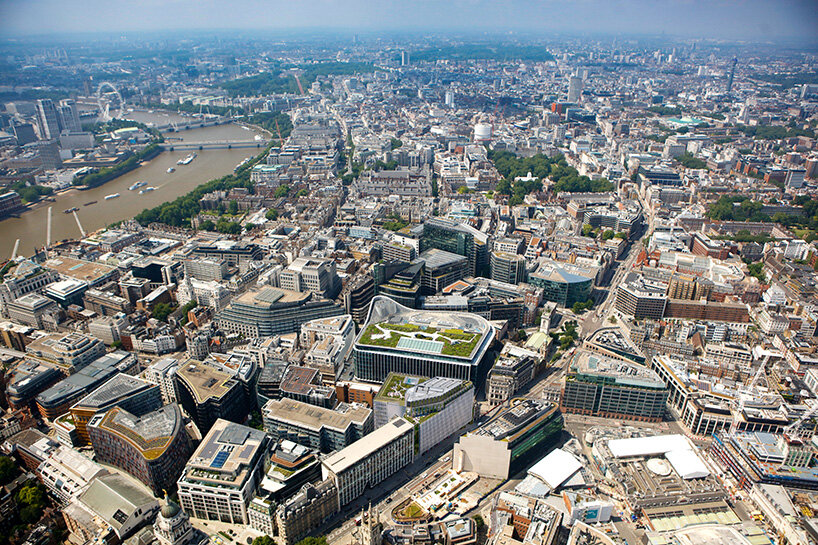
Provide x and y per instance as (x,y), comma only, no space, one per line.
(426,343)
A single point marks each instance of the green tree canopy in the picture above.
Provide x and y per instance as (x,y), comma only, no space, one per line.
(161,311)
(264,540)
(8,470)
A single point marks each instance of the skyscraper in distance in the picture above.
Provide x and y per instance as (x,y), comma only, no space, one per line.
(48,121)
(68,116)
(574,88)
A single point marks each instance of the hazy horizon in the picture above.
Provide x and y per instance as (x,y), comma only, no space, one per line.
(751,20)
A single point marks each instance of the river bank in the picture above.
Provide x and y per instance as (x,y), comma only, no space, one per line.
(30,225)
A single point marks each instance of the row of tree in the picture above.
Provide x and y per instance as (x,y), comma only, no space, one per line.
(107,174)
(177,213)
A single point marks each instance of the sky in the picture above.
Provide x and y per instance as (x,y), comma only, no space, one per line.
(759,20)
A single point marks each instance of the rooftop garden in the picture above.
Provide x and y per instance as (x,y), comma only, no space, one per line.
(456,342)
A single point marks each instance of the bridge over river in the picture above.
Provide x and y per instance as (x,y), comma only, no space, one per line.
(223,144)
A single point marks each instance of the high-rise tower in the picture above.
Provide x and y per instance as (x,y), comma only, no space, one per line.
(732,74)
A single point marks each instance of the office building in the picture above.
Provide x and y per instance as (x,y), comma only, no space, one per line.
(508,268)
(59,398)
(68,116)
(329,343)
(291,466)
(26,381)
(370,460)
(514,368)
(70,351)
(512,439)
(395,251)
(272,311)
(304,384)
(221,477)
(208,394)
(66,292)
(437,407)
(599,386)
(48,122)
(574,89)
(206,293)
(268,385)
(456,239)
(563,283)
(312,275)
(640,297)
(106,304)
(152,447)
(730,354)
(132,394)
(10,202)
(27,277)
(237,254)
(163,373)
(320,428)
(423,343)
(305,511)
(357,295)
(207,269)
(108,329)
(34,310)
(440,269)
(399,281)
(111,509)
(66,472)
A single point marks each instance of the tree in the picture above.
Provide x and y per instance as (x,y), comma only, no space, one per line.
(271,214)
(116,345)
(313,541)
(161,311)
(31,495)
(281,191)
(608,235)
(264,540)
(233,208)
(8,470)
(479,524)
(395,143)
(249,226)
(587,230)
(207,225)
(30,514)
(462,190)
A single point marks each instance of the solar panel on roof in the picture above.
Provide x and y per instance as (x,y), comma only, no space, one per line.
(220,459)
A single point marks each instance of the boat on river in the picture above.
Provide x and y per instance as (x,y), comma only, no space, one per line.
(111,196)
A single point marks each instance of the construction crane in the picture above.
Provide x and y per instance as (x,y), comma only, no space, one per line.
(745,393)
(791,432)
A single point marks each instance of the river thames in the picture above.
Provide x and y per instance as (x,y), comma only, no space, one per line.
(30,227)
